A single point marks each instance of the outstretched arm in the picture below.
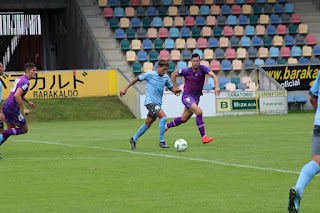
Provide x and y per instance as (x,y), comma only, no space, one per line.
(123,92)
(18,99)
(174,76)
(216,82)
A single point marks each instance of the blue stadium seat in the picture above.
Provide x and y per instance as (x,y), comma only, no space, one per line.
(135,22)
(258,62)
(282,1)
(186,54)
(199,52)
(270,61)
(261,1)
(271,30)
(183,10)
(285,18)
(268,9)
(316,50)
(300,99)
(205,10)
(140,12)
(232,20)
(185,32)
(200,21)
(219,53)
(213,42)
(142,55)
(151,11)
(118,12)
(240,2)
(288,40)
(225,9)
(288,8)
(147,44)
(141,33)
(169,44)
(314,60)
(243,20)
(167,2)
(113,3)
(234,41)
(156,3)
(245,41)
(223,81)
(274,52)
(221,20)
(274,19)
(181,65)
(278,8)
(211,81)
(226,65)
(291,99)
(174,32)
(248,64)
(119,33)
(303,60)
(207,87)
(296,51)
(157,22)
(256,41)
(252,52)
(249,30)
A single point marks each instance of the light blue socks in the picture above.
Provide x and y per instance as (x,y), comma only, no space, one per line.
(307,173)
(162,126)
(140,132)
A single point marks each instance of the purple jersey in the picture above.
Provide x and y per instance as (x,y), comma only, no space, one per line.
(193,81)
(21,82)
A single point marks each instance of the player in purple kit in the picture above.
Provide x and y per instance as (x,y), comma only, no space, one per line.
(11,107)
(194,80)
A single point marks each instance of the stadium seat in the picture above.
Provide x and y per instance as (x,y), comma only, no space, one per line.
(215,10)
(282,29)
(295,18)
(246,80)
(147,66)
(285,18)
(200,21)
(226,65)
(191,43)
(221,20)
(169,44)
(119,33)
(129,11)
(124,3)
(223,81)
(145,3)
(194,10)
(175,55)
(231,53)
(237,65)
(136,44)
(136,67)
(195,32)
(208,54)
(213,42)
(189,20)
(249,30)
(152,33)
(203,62)
(153,55)
(245,41)
(230,86)
(227,31)
(108,12)
(236,10)
(135,22)
(307,51)
(274,19)
(270,61)
(156,3)
(219,53)
(186,54)
(167,21)
(268,9)
(131,56)
(103,3)
(198,2)
(183,10)
(253,19)
(274,52)
(114,22)
(211,21)
(178,21)
(124,23)
(314,60)
(285,51)
(206,32)
(277,40)
(288,8)
(199,52)
(224,42)
(299,40)
(164,54)
(238,31)
(140,12)
(288,40)
(147,44)
(217,31)
(141,33)
(278,8)
(163,32)
(215,65)
(211,81)
(264,19)
(248,65)
(257,8)
(252,52)
(125,45)
(311,39)
(177,2)
(240,1)
(118,12)
(234,42)
(202,43)
(135,3)
(185,32)
(162,11)
(267,41)
(172,66)
(173,11)
(225,9)
(174,32)
(180,43)
(271,30)
(260,30)
(243,20)
(241,53)
(242,86)
(167,2)
(292,29)
(146,22)
(291,99)
(263,52)
(158,44)
(181,65)
(296,51)
(246,9)
(303,61)
(316,50)
(204,10)
(281,61)
(157,22)
(292,61)
(142,55)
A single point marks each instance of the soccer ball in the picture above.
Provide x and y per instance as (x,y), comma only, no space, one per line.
(180,145)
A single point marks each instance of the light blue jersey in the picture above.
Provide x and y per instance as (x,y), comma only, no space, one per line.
(314,92)
(154,87)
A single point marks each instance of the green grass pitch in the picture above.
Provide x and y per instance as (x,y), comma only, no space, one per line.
(88,166)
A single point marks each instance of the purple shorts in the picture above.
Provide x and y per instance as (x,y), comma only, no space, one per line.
(14,117)
(188,100)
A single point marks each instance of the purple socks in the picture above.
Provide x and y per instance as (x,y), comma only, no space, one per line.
(175,122)
(200,125)
(12,131)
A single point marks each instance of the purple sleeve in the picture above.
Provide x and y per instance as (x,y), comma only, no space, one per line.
(24,85)
(205,69)
(183,72)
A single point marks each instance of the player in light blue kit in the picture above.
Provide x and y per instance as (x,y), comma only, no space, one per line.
(11,107)
(194,80)
(312,168)
(156,81)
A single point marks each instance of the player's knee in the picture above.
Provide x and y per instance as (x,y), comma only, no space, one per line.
(164,120)
(198,112)
(25,130)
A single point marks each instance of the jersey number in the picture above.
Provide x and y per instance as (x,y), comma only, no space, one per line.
(14,87)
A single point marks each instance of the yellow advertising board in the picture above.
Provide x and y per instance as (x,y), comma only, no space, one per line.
(63,84)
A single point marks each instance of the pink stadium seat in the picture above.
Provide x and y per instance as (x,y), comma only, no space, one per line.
(263,52)
(191,43)
(135,3)
(206,32)
(231,53)
(228,31)
(285,51)
(152,33)
(238,31)
(178,21)
(189,21)
(236,9)
(211,20)
(295,18)
(251,1)
(311,39)
(175,55)
(108,12)
(260,30)
(215,10)
(164,54)
(215,65)
(198,2)
(282,29)
(202,43)
(163,32)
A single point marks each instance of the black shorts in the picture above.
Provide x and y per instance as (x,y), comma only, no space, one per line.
(154,110)
(316,141)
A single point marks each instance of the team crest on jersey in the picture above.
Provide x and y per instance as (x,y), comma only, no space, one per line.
(180,71)
(24,87)
(188,100)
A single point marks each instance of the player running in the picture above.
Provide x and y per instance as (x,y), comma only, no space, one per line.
(193,83)
(11,107)
(156,81)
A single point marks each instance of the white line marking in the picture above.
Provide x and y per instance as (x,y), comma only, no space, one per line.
(166,156)
(62,158)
